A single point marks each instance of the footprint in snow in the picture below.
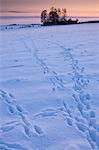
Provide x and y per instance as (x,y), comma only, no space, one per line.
(38,130)
(47,113)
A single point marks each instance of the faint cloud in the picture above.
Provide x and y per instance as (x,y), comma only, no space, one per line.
(12,11)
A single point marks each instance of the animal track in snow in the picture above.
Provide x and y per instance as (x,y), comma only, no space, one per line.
(86,118)
(18,111)
(47,113)
(8,146)
(54,77)
(83,103)
(82,98)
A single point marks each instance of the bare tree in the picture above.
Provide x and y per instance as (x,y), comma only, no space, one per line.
(52,9)
(64,14)
(44,16)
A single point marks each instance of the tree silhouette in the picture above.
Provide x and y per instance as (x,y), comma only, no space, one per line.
(56,16)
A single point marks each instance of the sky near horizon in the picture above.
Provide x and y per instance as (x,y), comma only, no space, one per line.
(34,7)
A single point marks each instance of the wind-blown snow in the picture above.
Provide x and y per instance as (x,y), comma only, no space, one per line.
(49,88)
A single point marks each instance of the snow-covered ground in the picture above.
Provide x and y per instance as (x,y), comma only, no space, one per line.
(49,88)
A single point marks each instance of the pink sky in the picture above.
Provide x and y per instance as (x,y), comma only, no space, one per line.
(34,7)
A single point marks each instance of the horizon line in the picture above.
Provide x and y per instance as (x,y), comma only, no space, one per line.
(38,16)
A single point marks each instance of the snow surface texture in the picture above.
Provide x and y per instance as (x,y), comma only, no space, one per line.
(49,88)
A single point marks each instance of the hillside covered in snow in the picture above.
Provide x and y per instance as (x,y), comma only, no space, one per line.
(49,88)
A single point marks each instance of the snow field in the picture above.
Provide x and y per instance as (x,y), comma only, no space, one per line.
(49,85)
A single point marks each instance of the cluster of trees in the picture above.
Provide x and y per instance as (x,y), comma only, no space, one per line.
(54,15)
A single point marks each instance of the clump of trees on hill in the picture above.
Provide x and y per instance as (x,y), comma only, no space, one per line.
(55,16)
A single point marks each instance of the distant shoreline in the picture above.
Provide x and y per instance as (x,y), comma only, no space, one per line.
(9,20)
(20,26)
(7,17)
(93,21)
